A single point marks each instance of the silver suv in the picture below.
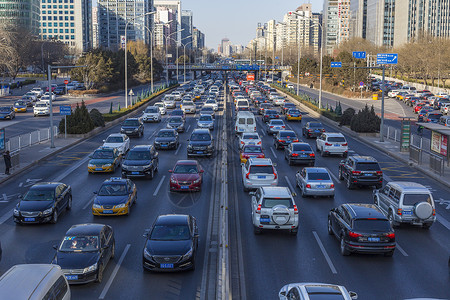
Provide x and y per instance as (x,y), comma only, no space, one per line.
(257,172)
(274,208)
(406,202)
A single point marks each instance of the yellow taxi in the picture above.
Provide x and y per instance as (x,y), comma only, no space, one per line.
(20,106)
(104,159)
(115,197)
(293,114)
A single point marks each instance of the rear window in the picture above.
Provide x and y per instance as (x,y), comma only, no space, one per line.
(301,147)
(369,225)
(241,121)
(337,139)
(271,202)
(316,125)
(253,149)
(318,176)
(271,112)
(250,136)
(287,134)
(277,122)
(261,169)
(367,167)
(249,121)
(412,199)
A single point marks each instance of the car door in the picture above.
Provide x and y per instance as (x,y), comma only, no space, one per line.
(59,198)
(348,167)
(338,220)
(104,249)
(302,182)
(109,240)
(244,169)
(131,191)
(287,151)
(383,194)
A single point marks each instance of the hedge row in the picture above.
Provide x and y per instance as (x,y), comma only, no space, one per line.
(25,82)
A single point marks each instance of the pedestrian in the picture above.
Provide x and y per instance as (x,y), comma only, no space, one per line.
(7,159)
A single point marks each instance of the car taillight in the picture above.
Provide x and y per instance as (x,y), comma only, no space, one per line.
(246,175)
(399,211)
(242,143)
(309,130)
(271,126)
(312,155)
(323,130)
(391,235)
(261,156)
(434,212)
(266,116)
(277,116)
(283,126)
(345,144)
(379,172)
(356,172)
(332,186)
(354,234)
(308,186)
(295,210)
(281,141)
(259,143)
(295,141)
(294,154)
(288,115)
(258,210)
(327,144)
(275,176)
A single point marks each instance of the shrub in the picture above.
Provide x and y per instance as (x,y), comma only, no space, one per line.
(347,116)
(365,121)
(83,92)
(97,118)
(79,122)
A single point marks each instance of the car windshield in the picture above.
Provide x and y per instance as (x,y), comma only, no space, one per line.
(185,169)
(151,110)
(368,167)
(113,189)
(5,109)
(301,147)
(177,113)
(19,103)
(208,108)
(211,102)
(114,139)
(250,137)
(318,176)
(368,225)
(325,296)
(159,104)
(434,116)
(79,243)
(138,155)
(131,123)
(40,105)
(412,199)
(315,125)
(175,120)
(261,169)
(337,139)
(200,137)
(253,149)
(170,233)
(205,118)
(102,154)
(39,195)
(188,103)
(166,134)
(271,202)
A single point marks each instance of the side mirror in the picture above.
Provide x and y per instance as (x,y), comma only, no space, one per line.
(55,247)
(170,171)
(20,196)
(202,171)
(95,192)
(294,194)
(252,193)
(353,295)
(283,293)
(274,164)
(146,233)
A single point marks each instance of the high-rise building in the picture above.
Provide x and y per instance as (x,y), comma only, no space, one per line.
(166,22)
(271,35)
(187,26)
(20,13)
(69,21)
(336,23)
(198,39)
(358,18)
(174,6)
(95,27)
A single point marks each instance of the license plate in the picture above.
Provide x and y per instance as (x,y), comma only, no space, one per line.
(166,266)
(164,145)
(98,169)
(128,131)
(367,174)
(264,220)
(277,127)
(134,173)
(406,212)
(316,131)
(29,219)
(321,186)
(303,155)
(199,152)
(184,187)
(72,277)
(373,239)
(261,177)
(251,143)
(108,211)
(337,145)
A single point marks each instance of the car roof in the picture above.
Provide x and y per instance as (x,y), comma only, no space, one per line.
(137,119)
(142,147)
(172,220)
(46,185)
(287,131)
(115,179)
(201,130)
(85,229)
(116,135)
(361,158)
(315,170)
(276,191)
(408,186)
(259,161)
(361,211)
(334,134)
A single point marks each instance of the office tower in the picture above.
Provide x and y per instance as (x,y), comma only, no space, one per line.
(20,13)
(187,26)
(336,23)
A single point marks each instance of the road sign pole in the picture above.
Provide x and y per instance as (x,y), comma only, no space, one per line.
(382,105)
(65,126)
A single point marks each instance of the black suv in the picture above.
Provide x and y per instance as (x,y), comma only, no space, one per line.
(133,127)
(166,139)
(361,170)
(141,161)
(361,228)
(284,138)
(200,143)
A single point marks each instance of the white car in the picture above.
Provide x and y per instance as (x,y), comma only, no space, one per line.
(290,86)
(393,93)
(162,107)
(169,101)
(249,138)
(38,91)
(41,108)
(279,101)
(212,103)
(118,140)
(48,95)
(332,143)
(151,114)
(177,95)
(310,290)
(258,172)
(188,107)
(31,95)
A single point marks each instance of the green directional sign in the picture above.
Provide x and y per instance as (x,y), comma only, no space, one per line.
(405,138)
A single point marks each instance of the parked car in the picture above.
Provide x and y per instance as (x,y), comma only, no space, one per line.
(114,198)
(332,143)
(201,143)
(166,139)
(283,138)
(133,127)
(299,153)
(313,129)
(314,181)
(315,290)
(257,172)
(186,175)
(361,170)
(141,161)
(119,141)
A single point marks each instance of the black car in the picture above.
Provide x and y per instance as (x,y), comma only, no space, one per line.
(361,228)
(133,127)
(423,112)
(432,117)
(283,138)
(201,143)
(43,203)
(313,129)
(84,252)
(176,123)
(361,170)
(287,106)
(141,161)
(166,139)
(270,114)
(178,113)
(7,113)
(60,90)
(171,244)
(299,153)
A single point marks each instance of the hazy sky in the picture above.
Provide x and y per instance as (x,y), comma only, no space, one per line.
(237,19)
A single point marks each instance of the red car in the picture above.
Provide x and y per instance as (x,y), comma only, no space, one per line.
(187,175)
(251,151)
(419,106)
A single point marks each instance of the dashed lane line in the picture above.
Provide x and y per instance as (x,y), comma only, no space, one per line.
(114,273)
(159,185)
(289,183)
(324,252)
(273,152)
(401,250)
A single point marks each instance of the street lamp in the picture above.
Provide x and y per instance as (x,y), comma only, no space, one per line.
(184,57)
(167,44)
(282,45)
(177,49)
(321,61)
(151,57)
(126,50)
(298,51)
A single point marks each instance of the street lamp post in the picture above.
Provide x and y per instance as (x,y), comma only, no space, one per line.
(184,59)
(282,45)
(167,44)
(321,61)
(178,56)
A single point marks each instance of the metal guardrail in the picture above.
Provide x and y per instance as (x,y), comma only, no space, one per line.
(437,164)
(415,154)
(29,139)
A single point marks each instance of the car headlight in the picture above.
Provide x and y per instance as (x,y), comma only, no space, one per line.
(90,268)
(91,166)
(16,212)
(124,166)
(120,205)
(169,126)
(147,166)
(210,146)
(107,165)
(147,254)
(188,254)
(173,180)
(96,206)
(189,146)
(48,211)
(197,180)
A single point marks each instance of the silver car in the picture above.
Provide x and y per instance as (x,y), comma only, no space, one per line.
(188,107)
(257,172)
(275,125)
(310,290)
(169,101)
(205,121)
(315,181)
(249,138)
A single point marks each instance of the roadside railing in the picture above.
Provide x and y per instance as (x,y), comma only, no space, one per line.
(19,142)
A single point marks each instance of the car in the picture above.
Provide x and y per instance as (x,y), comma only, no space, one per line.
(212,103)
(360,170)
(119,141)
(423,112)
(294,114)
(177,95)
(151,114)
(314,181)
(313,129)
(178,113)
(47,95)
(257,172)
(28,100)
(141,161)
(7,113)
(279,101)
(283,138)
(104,159)
(114,197)
(43,203)
(445,108)
(432,116)
(188,107)
(263,107)
(176,123)
(37,91)
(186,175)
(31,95)
(361,228)
(274,208)
(406,202)
(200,143)
(20,106)
(41,108)
(162,107)
(313,290)
(422,105)
(60,90)
(169,101)
(332,143)
(249,138)
(273,126)
(166,139)
(171,244)
(299,153)
(251,151)
(205,121)
(270,114)
(84,252)
(290,86)
(208,110)
(133,127)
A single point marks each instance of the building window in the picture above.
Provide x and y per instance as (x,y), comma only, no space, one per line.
(60,24)
(72,30)
(50,31)
(66,30)
(45,37)
(44,30)
(61,31)
(72,37)
(55,24)
(67,24)
(72,24)
(72,18)
(67,37)
(44,24)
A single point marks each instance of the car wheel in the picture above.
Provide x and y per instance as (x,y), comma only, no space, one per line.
(343,247)
(349,184)
(54,216)
(290,162)
(329,228)
(99,274)
(69,203)
(389,254)
(152,174)
(392,220)
(341,177)
(257,230)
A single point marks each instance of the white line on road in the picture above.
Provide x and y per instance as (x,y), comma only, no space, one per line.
(6,216)
(159,185)
(178,149)
(151,136)
(5,198)
(401,250)
(443,221)
(289,183)
(88,203)
(263,133)
(189,126)
(114,273)
(20,184)
(324,252)
(334,177)
(71,169)
(273,152)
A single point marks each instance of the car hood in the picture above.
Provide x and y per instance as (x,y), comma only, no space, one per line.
(175,123)
(200,143)
(110,200)
(164,139)
(100,161)
(205,122)
(130,162)
(34,205)
(185,177)
(150,114)
(168,247)
(5,113)
(76,260)
(113,145)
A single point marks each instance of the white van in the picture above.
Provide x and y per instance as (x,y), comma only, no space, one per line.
(34,282)
(245,122)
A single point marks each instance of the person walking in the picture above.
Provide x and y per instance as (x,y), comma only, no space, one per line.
(7,158)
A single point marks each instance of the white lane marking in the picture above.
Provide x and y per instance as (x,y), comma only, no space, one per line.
(178,149)
(289,183)
(324,252)
(263,132)
(6,216)
(159,185)
(401,250)
(289,127)
(189,126)
(151,136)
(443,221)
(88,203)
(114,273)
(71,169)
(20,184)
(5,198)
(334,177)
(273,152)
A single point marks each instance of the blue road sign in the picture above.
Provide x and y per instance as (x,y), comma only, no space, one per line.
(361,83)
(359,54)
(65,110)
(2,139)
(387,58)
(336,64)
(276,57)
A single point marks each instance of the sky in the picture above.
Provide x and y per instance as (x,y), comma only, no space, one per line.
(238,19)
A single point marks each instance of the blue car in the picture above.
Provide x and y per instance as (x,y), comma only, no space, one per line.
(7,113)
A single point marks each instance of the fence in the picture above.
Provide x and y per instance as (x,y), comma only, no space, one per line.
(26,140)
(437,164)
(415,154)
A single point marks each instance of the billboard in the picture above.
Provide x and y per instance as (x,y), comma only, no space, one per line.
(250,77)
(439,143)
